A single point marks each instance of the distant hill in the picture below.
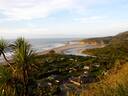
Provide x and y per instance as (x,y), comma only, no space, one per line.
(113,70)
(116,49)
(98,40)
(106,40)
(120,37)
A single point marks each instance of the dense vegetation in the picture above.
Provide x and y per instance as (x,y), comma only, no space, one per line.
(31,74)
(115,51)
(54,72)
(110,59)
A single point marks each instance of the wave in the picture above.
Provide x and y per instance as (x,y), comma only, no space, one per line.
(40,45)
(8,56)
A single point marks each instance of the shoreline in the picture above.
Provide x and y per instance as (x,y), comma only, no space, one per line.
(67,49)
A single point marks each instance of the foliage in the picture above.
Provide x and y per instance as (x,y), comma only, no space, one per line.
(56,70)
(16,76)
(29,74)
(110,58)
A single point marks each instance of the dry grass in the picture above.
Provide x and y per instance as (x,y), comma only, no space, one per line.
(115,83)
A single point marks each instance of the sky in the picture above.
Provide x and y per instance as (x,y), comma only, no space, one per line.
(62,18)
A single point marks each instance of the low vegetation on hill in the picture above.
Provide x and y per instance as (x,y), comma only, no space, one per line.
(98,40)
(115,83)
(110,59)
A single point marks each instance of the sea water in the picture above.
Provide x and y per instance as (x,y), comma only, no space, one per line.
(45,44)
(40,45)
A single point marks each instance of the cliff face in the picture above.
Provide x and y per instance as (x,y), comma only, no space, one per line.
(97,41)
(107,40)
(89,42)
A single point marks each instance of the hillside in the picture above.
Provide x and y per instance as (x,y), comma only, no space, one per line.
(103,74)
(118,41)
(122,36)
(112,71)
(115,83)
(106,40)
(98,40)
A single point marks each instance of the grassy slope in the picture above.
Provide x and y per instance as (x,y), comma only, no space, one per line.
(113,84)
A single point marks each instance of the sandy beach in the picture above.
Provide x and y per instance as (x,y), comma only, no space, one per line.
(68,49)
(73,49)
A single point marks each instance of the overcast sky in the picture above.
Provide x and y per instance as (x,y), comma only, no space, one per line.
(62,18)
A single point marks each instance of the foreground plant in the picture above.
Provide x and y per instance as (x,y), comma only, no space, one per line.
(16,77)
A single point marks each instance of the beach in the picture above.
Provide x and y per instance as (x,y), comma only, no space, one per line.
(74,48)
(70,49)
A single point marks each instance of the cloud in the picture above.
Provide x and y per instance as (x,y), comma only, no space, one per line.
(31,9)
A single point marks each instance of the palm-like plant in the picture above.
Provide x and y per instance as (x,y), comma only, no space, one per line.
(23,59)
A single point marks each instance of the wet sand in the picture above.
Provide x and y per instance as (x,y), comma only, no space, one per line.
(69,49)
(73,49)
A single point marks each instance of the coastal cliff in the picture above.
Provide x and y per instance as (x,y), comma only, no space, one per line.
(97,41)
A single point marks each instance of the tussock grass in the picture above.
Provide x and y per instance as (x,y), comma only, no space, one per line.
(115,83)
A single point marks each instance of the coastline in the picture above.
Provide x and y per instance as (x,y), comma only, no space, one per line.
(67,49)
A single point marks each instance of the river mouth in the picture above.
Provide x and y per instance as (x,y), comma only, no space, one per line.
(74,51)
(70,49)
(78,50)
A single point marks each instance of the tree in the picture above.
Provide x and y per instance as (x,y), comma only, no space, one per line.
(23,60)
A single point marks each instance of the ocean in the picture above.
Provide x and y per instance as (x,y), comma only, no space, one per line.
(45,44)
(40,45)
